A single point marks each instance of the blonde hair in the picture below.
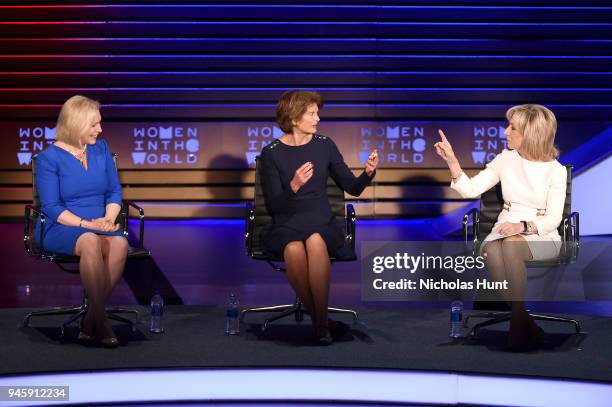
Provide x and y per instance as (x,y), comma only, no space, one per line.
(292,105)
(538,126)
(74,118)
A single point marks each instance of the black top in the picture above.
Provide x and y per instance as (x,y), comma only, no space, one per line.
(297,215)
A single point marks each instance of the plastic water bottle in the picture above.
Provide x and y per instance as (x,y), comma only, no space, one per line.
(456,319)
(157,313)
(232,322)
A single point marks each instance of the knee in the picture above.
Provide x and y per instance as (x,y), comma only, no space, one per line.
(492,251)
(293,250)
(89,245)
(512,245)
(315,240)
(119,245)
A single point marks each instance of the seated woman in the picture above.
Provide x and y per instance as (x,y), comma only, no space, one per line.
(295,169)
(80,195)
(533,184)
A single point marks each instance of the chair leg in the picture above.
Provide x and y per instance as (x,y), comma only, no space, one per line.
(273,308)
(344,311)
(498,317)
(488,322)
(293,310)
(121,310)
(488,315)
(72,319)
(53,311)
(541,317)
(118,318)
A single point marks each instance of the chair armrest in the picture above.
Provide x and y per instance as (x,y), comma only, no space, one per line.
(249,221)
(475,214)
(350,220)
(141,217)
(27,236)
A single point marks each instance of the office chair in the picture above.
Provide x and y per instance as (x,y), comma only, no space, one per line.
(483,219)
(257,217)
(32,213)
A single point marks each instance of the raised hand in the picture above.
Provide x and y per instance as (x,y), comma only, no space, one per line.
(372,163)
(444,148)
(301,176)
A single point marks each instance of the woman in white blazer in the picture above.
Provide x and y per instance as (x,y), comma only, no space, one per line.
(533,187)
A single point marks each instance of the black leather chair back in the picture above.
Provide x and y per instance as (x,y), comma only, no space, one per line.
(35,195)
(263,218)
(492,202)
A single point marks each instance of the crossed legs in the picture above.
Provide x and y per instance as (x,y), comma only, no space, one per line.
(505,260)
(101,266)
(309,272)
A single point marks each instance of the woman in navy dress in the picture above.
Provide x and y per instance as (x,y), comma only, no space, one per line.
(80,196)
(295,169)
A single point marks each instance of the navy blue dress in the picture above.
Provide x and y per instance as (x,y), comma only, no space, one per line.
(63,184)
(296,216)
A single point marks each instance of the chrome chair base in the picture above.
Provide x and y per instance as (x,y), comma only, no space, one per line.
(499,317)
(296,309)
(77,312)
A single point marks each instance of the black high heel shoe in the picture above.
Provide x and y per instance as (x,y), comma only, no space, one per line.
(84,337)
(110,342)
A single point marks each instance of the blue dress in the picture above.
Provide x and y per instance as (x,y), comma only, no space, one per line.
(63,184)
(296,216)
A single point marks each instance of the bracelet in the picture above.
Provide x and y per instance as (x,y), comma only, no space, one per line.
(81,223)
(525,226)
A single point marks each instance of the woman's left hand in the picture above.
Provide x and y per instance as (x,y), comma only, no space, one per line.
(372,163)
(509,228)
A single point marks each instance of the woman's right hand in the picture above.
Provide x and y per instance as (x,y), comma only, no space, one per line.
(301,176)
(444,148)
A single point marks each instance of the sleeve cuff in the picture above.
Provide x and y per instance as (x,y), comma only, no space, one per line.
(458,182)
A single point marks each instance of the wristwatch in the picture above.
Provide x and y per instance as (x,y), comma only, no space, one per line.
(526,226)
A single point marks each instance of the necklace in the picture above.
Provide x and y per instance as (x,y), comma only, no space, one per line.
(79,155)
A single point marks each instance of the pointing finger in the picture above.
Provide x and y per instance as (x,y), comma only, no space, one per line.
(442,136)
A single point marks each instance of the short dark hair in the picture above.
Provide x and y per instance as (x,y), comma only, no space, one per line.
(293,104)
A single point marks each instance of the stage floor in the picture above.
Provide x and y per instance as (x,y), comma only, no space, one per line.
(415,340)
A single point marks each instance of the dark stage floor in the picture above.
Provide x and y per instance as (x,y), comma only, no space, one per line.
(385,339)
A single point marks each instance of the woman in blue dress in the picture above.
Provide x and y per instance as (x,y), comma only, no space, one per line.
(295,168)
(80,196)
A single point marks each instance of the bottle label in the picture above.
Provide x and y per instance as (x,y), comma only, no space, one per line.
(157,310)
(232,313)
(456,315)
